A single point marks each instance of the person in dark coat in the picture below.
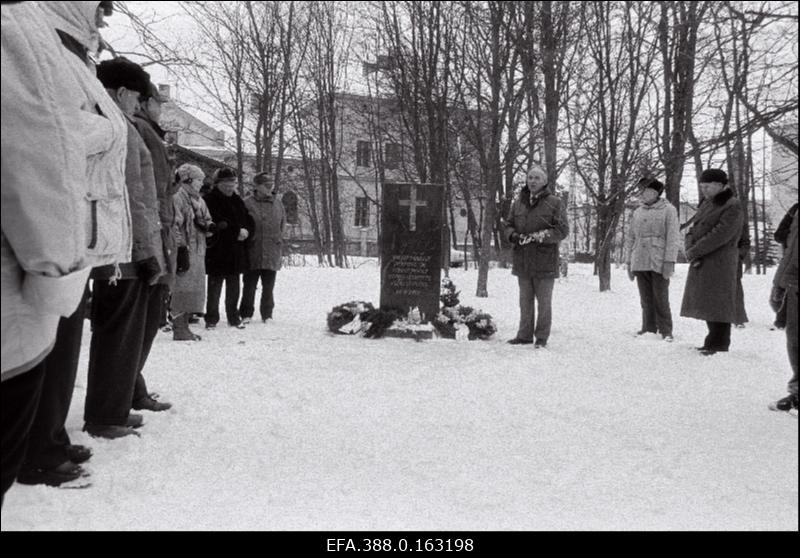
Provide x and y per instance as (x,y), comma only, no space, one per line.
(265,247)
(146,122)
(126,304)
(712,251)
(782,237)
(536,224)
(784,292)
(226,256)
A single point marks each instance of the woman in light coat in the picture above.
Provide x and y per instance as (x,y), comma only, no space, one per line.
(264,247)
(193,224)
(652,248)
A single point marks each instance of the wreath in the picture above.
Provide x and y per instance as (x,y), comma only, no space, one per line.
(350,318)
(453,321)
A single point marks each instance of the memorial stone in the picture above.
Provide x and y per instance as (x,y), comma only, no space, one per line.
(411,248)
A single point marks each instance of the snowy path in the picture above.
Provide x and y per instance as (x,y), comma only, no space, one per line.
(285,427)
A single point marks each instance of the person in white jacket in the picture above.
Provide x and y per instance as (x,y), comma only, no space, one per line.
(652,247)
(51,458)
(43,256)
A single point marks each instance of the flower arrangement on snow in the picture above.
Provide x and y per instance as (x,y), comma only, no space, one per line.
(453,321)
(456,321)
(359,316)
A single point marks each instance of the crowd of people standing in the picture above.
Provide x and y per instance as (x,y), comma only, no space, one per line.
(90,197)
(92,208)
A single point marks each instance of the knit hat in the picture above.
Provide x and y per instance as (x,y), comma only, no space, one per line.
(714,175)
(224,173)
(121,72)
(651,184)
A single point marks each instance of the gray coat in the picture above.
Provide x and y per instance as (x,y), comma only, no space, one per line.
(191,216)
(166,188)
(711,249)
(545,213)
(265,247)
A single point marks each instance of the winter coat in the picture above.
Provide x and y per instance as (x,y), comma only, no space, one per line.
(226,254)
(105,133)
(711,249)
(265,247)
(784,228)
(43,259)
(786,274)
(653,237)
(166,188)
(141,185)
(191,222)
(545,213)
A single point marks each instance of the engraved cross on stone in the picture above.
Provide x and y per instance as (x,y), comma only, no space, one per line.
(412,205)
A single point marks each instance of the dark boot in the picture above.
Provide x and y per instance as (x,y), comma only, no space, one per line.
(180,329)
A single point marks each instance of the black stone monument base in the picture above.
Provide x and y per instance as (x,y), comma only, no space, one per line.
(419,333)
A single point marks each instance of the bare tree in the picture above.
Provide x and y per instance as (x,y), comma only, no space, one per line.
(678,25)
(608,126)
(490,87)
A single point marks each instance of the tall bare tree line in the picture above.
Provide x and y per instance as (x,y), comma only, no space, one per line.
(607,91)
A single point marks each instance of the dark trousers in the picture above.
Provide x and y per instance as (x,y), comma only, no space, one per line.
(20,398)
(654,297)
(123,315)
(157,306)
(719,336)
(251,278)
(534,290)
(231,299)
(47,448)
(780,315)
(791,336)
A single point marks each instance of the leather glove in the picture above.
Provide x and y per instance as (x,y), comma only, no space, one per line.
(776,298)
(183,260)
(668,270)
(222,225)
(513,238)
(148,270)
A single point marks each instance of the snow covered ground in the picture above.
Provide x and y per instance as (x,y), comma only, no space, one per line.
(286,427)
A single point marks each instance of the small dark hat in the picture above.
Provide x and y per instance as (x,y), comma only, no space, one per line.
(224,173)
(121,72)
(714,175)
(154,93)
(652,184)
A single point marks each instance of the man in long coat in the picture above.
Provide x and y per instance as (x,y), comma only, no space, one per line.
(711,249)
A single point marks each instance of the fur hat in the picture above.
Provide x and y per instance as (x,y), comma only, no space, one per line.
(651,184)
(714,175)
(187,171)
(121,72)
(224,173)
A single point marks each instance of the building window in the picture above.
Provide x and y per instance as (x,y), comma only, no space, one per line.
(392,156)
(289,200)
(362,212)
(363,154)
